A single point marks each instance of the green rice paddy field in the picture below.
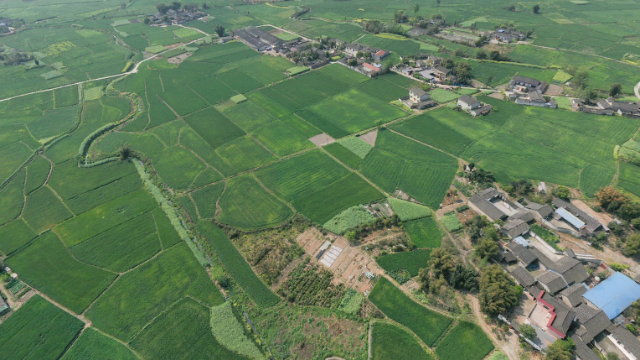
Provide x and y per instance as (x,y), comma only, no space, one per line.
(93,238)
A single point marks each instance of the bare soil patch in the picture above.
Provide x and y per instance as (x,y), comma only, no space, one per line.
(497,95)
(554,90)
(179,58)
(370,137)
(322,139)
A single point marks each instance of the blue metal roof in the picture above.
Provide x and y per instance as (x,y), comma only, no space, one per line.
(614,295)
(522,241)
(570,218)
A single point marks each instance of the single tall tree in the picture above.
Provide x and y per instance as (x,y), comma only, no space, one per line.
(536,9)
(616,89)
(219,30)
(416,8)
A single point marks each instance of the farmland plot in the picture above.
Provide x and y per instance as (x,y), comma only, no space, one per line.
(325,203)
(37,173)
(213,90)
(355,111)
(630,178)
(248,116)
(391,342)
(245,153)
(104,217)
(12,199)
(425,323)
(412,261)
(247,205)
(302,175)
(121,247)
(343,154)
(418,170)
(424,233)
(207,198)
(178,167)
(191,319)
(70,181)
(299,92)
(236,265)
(343,74)
(464,341)
(127,307)
(213,127)
(280,139)
(239,81)
(182,101)
(407,210)
(47,265)
(323,83)
(44,210)
(93,345)
(38,330)
(14,235)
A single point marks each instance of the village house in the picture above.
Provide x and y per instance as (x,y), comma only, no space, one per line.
(525,257)
(176,17)
(353,49)
(522,84)
(582,105)
(257,39)
(473,106)
(370,70)
(418,99)
(506,35)
(550,315)
(534,98)
(629,109)
(522,277)
(551,282)
(491,203)
(577,219)
(379,55)
(442,73)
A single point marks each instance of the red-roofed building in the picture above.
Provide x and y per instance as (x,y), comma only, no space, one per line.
(380,55)
(370,68)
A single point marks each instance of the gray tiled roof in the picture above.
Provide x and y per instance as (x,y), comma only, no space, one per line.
(469,100)
(544,260)
(583,351)
(526,80)
(515,227)
(574,293)
(524,215)
(553,281)
(523,254)
(543,210)
(592,224)
(628,340)
(592,322)
(522,276)
(417,92)
(487,207)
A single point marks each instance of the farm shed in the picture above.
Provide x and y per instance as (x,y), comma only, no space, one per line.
(592,225)
(483,205)
(614,295)
(572,296)
(552,282)
(522,276)
(625,341)
(467,102)
(515,227)
(591,322)
(525,257)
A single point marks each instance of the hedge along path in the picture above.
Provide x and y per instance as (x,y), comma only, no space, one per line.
(170,212)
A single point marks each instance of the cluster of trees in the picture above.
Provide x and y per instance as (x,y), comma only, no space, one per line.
(460,69)
(9,56)
(613,201)
(494,55)
(498,292)
(479,176)
(164,8)
(444,270)
(365,229)
(376,27)
(308,285)
(304,10)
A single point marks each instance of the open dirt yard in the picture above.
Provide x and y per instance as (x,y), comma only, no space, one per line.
(179,58)
(370,137)
(348,263)
(322,139)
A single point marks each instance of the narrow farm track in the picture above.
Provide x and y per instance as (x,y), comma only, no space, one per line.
(511,351)
(370,342)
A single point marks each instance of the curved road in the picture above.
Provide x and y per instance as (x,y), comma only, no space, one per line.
(636,90)
(132,71)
